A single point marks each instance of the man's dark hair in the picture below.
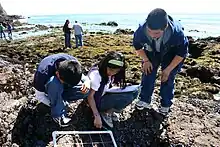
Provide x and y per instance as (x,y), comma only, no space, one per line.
(104,63)
(157,19)
(70,72)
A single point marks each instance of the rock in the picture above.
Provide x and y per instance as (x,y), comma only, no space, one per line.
(42,27)
(22,33)
(25,122)
(217,97)
(193,30)
(215,79)
(124,31)
(5,17)
(203,73)
(103,24)
(17,23)
(196,48)
(2,11)
(112,23)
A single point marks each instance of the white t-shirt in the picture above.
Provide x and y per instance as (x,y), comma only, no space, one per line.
(95,79)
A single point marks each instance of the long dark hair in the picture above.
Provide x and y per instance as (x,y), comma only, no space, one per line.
(119,78)
(65,26)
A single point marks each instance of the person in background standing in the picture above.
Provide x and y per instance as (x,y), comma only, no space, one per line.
(2,31)
(67,34)
(9,29)
(78,31)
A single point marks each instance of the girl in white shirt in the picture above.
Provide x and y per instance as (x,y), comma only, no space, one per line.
(111,70)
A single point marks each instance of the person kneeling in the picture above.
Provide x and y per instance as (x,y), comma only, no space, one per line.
(102,75)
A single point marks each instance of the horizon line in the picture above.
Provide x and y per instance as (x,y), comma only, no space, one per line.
(174,13)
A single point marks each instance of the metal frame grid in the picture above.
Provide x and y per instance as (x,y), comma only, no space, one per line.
(89,133)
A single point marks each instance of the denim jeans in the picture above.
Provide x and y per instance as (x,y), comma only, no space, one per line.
(166,88)
(58,94)
(10,34)
(117,101)
(2,32)
(67,40)
(79,41)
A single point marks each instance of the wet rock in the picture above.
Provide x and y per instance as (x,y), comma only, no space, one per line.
(215,79)
(103,24)
(22,33)
(110,23)
(17,23)
(24,122)
(193,30)
(124,31)
(42,27)
(203,73)
(196,48)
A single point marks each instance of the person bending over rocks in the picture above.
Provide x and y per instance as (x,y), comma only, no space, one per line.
(58,80)
(160,41)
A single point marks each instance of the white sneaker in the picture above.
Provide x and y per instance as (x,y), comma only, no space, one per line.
(62,121)
(164,110)
(115,116)
(141,105)
(107,117)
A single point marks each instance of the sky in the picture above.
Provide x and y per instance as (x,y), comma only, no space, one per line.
(53,7)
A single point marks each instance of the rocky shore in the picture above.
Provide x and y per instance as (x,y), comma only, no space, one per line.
(195,116)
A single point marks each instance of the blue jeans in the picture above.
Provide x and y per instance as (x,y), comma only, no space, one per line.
(67,40)
(2,32)
(117,101)
(166,88)
(79,41)
(9,34)
(59,94)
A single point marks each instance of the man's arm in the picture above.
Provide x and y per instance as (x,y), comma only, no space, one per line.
(176,61)
(182,52)
(147,65)
(139,47)
(141,53)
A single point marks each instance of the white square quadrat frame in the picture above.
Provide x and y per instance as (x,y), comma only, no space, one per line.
(55,133)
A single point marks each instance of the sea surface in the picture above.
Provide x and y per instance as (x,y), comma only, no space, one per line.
(196,25)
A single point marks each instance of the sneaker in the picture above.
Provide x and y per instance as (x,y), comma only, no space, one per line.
(62,121)
(107,117)
(141,105)
(164,110)
(115,116)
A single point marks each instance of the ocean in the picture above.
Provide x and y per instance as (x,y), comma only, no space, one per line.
(196,25)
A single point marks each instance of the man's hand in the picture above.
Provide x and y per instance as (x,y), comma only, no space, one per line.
(98,121)
(147,67)
(165,74)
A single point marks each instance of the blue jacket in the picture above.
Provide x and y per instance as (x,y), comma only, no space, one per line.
(47,68)
(176,44)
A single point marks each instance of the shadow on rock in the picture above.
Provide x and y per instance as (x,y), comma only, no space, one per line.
(143,128)
(33,126)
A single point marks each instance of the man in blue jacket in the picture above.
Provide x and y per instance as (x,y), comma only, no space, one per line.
(160,41)
(58,80)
